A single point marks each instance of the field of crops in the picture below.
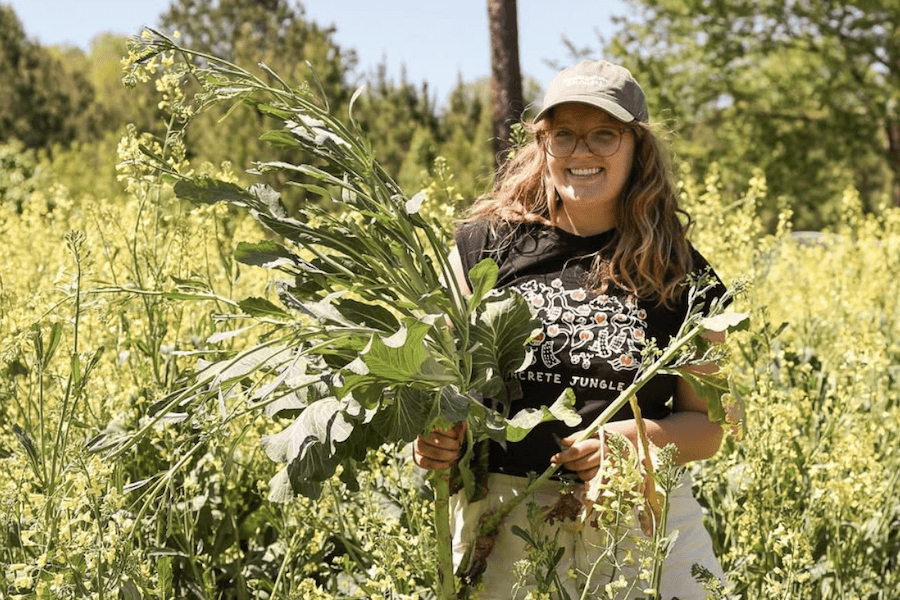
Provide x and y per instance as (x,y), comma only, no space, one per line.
(108,303)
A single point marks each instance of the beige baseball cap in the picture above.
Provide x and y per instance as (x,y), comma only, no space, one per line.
(598,83)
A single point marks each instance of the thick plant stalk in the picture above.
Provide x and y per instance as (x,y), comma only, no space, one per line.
(440,483)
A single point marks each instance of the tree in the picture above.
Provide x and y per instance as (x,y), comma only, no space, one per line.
(43,102)
(249,32)
(506,77)
(401,122)
(807,90)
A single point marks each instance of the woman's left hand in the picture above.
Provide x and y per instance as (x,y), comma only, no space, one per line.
(585,457)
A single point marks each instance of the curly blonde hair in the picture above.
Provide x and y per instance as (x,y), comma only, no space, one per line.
(648,255)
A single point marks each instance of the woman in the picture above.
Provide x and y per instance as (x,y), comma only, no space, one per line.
(584,222)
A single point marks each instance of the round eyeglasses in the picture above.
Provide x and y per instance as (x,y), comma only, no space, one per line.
(601,141)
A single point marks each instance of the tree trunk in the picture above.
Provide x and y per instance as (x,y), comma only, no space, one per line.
(893,135)
(506,77)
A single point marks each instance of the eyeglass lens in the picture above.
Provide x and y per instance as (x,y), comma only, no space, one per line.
(601,141)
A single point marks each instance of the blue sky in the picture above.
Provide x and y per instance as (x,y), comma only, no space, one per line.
(435,40)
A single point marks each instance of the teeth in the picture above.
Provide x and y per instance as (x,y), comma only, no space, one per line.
(585,171)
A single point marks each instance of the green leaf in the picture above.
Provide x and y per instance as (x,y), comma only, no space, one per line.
(280,138)
(724,400)
(563,409)
(711,387)
(129,591)
(280,489)
(725,321)
(454,406)
(75,370)
(260,307)
(249,361)
(483,277)
(501,329)
(266,254)
(53,344)
(270,197)
(322,422)
(400,356)
(206,190)
(322,310)
(406,415)
(368,315)
(29,447)
(164,576)
(194,284)
(186,296)
(273,110)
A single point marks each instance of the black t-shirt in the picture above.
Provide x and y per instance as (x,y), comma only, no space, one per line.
(590,342)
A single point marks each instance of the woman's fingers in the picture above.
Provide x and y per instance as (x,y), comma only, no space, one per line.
(439,449)
(583,458)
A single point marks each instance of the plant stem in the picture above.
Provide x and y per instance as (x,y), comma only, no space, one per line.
(440,483)
(650,488)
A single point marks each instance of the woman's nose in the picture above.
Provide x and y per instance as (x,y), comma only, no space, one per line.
(581,146)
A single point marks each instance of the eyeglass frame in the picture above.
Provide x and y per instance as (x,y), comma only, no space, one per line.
(545,136)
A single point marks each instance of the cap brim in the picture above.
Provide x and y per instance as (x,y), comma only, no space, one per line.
(601,103)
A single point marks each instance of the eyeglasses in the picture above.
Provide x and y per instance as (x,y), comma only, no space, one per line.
(601,141)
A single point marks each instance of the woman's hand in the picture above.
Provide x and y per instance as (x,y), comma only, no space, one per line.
(439,449)
(585,457)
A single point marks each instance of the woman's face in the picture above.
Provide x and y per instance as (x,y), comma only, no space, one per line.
(590,186)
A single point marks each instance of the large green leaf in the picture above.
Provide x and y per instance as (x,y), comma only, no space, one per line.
(321,422)
(399,357)
(501,329)
(243,364)
(407,414)
(366,314)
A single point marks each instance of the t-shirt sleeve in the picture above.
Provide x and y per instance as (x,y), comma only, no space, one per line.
(472,243)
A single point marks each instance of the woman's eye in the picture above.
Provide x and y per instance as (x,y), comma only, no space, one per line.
(604,136)
(563,135)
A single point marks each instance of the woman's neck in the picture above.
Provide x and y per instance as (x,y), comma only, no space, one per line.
(583,225)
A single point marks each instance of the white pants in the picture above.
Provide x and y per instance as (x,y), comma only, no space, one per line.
(585,546)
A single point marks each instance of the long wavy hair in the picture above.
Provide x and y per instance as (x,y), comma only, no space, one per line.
(648,254)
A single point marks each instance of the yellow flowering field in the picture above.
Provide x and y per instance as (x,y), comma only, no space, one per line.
(109,488)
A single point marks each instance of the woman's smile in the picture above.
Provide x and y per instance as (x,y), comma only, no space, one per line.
(585,172)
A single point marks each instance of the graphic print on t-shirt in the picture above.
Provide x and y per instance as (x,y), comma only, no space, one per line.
(584,329)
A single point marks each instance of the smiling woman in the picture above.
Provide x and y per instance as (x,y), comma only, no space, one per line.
(585,224)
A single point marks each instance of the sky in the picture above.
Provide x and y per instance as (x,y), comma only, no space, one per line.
(435,40)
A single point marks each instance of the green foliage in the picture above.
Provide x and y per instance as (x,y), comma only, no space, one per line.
(250,32)
(807,92)
(396,350)
(44,103)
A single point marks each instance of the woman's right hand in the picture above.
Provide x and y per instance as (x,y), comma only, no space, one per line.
(439,449)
